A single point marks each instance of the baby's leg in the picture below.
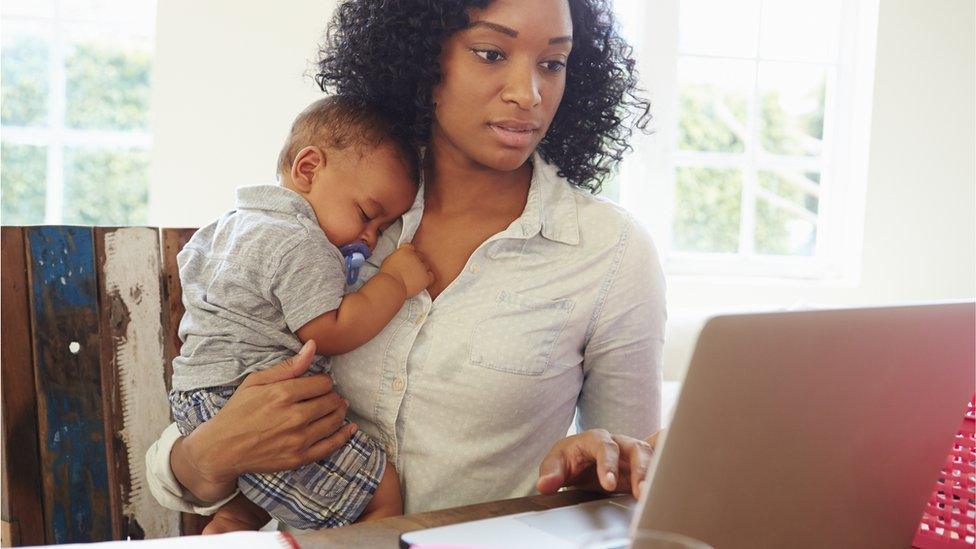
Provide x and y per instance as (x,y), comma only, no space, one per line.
(328,493)
(237,514)
(386,501)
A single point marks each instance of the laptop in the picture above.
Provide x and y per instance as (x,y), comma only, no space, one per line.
(823,428)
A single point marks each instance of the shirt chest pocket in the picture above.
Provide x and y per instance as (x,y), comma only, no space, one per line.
(519,333)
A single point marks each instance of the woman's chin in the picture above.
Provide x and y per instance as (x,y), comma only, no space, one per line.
(508,159)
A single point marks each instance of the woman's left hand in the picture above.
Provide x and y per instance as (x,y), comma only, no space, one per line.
(597,460)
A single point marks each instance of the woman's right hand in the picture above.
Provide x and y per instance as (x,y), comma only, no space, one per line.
(275,421)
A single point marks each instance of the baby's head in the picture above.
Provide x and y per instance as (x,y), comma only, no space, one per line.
(343,159)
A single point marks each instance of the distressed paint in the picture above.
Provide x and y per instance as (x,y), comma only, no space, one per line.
(64,309)
(130,278)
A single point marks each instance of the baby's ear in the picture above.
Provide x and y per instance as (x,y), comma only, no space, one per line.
(308,160)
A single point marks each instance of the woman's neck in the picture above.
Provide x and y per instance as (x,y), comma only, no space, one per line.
(459,185)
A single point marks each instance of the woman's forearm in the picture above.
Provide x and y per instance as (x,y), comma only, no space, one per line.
(204,483)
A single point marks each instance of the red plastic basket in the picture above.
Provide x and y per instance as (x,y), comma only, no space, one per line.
(949,518)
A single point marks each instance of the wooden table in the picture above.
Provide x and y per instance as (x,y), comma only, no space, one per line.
(385,533)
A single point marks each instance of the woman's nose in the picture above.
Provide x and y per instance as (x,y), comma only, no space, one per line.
(522,88)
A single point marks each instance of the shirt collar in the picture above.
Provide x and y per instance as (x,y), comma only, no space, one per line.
(551,208)
(274,198)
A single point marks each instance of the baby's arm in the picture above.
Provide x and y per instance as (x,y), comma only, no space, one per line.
(363,314)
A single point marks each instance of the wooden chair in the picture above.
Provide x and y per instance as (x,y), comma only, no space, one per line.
(89,329)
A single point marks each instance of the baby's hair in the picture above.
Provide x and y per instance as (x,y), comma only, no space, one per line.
(338,122)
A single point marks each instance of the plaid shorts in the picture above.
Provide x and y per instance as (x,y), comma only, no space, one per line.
(326,494)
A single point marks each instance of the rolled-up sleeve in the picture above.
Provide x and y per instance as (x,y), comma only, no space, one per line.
(163,484)
(622,371)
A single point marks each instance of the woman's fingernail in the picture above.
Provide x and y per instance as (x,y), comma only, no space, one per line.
(612,479)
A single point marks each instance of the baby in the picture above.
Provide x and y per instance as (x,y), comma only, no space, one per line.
(269,276)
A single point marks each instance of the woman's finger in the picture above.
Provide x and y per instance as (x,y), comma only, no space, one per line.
(304,388)
(602,447)
(326,425)
(638,454)
(286,369)
(655,439)
(552,471)
(327,446)
(313,409)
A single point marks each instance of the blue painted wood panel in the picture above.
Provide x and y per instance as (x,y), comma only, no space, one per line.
(64,322)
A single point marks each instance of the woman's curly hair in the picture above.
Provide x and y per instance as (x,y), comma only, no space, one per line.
(386,52)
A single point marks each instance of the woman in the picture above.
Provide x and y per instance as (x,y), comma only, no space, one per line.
(546,300)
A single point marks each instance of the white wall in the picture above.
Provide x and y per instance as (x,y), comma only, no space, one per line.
(229,79)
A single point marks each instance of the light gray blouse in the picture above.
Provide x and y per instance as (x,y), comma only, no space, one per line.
(562,312)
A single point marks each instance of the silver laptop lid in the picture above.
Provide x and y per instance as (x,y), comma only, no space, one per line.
(814,429)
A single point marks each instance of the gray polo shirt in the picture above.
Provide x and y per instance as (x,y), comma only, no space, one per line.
(250,280)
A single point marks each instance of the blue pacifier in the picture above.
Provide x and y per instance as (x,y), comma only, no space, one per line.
(356,255)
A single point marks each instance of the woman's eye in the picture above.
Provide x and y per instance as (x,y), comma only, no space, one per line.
(554,66)
(489,55)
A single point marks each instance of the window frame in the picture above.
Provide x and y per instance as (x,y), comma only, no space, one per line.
(55,136)
(647,178)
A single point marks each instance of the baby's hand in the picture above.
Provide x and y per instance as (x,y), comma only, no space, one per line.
(407,265)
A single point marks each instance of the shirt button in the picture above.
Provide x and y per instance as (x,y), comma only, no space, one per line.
(421,319)
(474,269)
(398,385)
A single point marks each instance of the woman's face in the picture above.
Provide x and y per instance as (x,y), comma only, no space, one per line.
(503,79)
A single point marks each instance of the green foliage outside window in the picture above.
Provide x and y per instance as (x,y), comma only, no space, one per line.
(703,108)
(106,187)
(23,73)
(708,202)
(22,184)
(107,88)
(707,205)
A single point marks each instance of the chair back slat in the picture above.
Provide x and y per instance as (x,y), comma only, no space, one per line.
(132,360)
(172,241)
(71,430)
(22,511)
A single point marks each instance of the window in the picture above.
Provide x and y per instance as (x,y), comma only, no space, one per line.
(74,125)
(757,166)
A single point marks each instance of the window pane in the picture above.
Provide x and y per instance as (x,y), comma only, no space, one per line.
(23,184)
(719,27)
(800,189)
(136,16)
(786,216)
(801,30)
(27,8)
(24,78)
(707,209)
(713,114)
(793,100)
(106,187)
(107,86)
(779,232)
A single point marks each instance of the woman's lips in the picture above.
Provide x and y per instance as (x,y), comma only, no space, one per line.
(513,137)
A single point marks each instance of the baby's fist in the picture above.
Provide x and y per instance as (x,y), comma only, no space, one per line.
(407,265)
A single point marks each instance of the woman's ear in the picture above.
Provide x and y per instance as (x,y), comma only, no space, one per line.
(308,160)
